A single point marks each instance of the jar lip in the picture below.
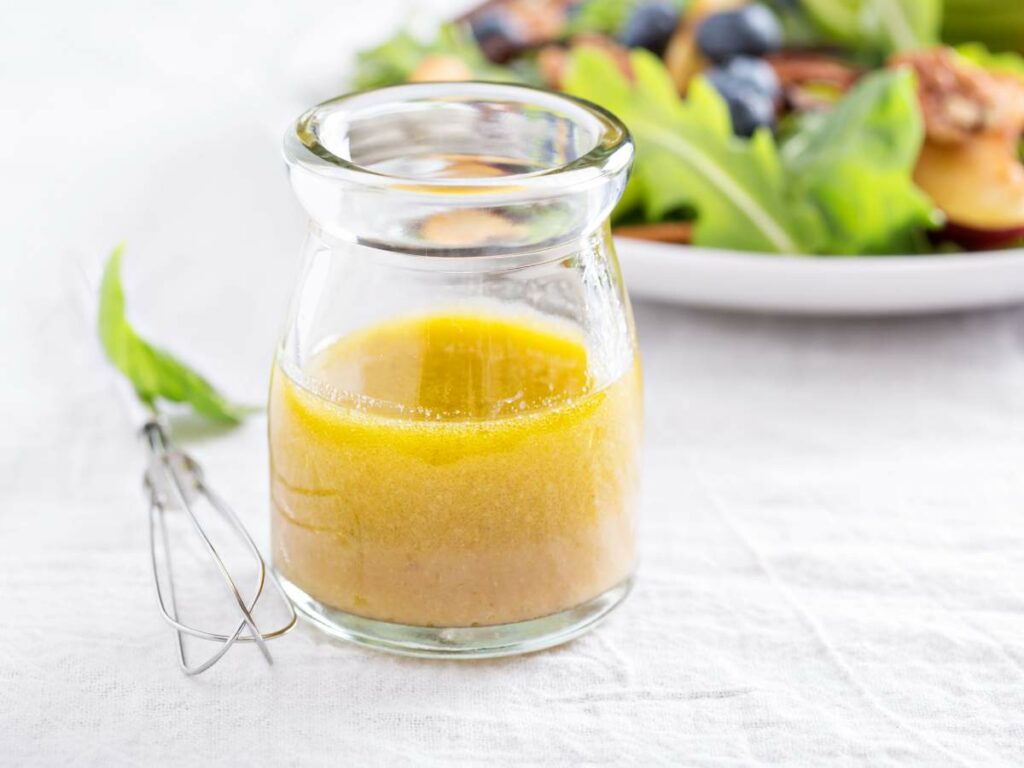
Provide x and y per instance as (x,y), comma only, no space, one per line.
(609,155)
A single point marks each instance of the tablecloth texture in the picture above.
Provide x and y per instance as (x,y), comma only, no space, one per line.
(832,523)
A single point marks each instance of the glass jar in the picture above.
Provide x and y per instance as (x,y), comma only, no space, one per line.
(455,408)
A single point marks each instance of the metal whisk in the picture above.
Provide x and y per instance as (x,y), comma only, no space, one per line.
(175,482)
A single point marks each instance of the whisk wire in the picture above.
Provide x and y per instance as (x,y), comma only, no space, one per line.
(174,480)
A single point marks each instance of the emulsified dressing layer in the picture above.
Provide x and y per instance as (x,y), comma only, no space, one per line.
(454,470)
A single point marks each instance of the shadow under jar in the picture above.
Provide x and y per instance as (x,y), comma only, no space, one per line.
(455,409)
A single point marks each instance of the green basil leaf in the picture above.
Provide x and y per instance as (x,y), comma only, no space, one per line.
(155,374)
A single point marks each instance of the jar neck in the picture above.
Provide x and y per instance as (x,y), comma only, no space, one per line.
(458,169)
(466,261)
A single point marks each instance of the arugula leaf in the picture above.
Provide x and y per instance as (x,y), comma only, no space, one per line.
(902,25)
(878,26)
(837,19)
(394,60)
(797,29)
(607,17)
(603,16)
(879,118)
(856,163)
(155,374)
(389,63)
(843,183)
(977,53)
(687,156)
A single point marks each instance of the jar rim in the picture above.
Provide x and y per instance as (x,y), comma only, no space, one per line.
(610,153)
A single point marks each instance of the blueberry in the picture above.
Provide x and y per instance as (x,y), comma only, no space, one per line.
(749,108)
(497,33)
(752,30)
(757,73)
(486,25)
(650,26)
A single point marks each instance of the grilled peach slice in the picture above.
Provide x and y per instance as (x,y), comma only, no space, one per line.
(979,185)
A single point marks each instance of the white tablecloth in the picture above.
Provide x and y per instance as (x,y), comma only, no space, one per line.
(832,533)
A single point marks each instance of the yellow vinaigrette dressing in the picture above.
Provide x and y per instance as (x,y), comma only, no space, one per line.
(454,470)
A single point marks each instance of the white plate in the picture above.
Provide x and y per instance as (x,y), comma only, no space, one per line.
(822,285)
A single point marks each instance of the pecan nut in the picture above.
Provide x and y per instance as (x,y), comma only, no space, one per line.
(960,101)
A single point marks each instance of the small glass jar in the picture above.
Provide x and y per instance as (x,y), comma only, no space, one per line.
(455,409)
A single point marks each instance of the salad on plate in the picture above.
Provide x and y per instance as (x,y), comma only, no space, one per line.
(816,127)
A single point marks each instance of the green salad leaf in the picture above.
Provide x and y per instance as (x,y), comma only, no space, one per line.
(977,53)
(902,25)
(687,156)
(153,373)
(393,61)
(607,17)
(856,163)
(603,16)
(878,26)
(389,63)
(842,183)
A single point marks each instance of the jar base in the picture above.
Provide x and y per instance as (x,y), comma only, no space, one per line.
(458,642)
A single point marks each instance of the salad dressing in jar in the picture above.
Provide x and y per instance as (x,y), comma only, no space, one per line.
(455,410)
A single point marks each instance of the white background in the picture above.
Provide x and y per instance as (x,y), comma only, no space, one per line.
(832,534)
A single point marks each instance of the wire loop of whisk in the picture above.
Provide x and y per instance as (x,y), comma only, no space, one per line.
(175,481)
